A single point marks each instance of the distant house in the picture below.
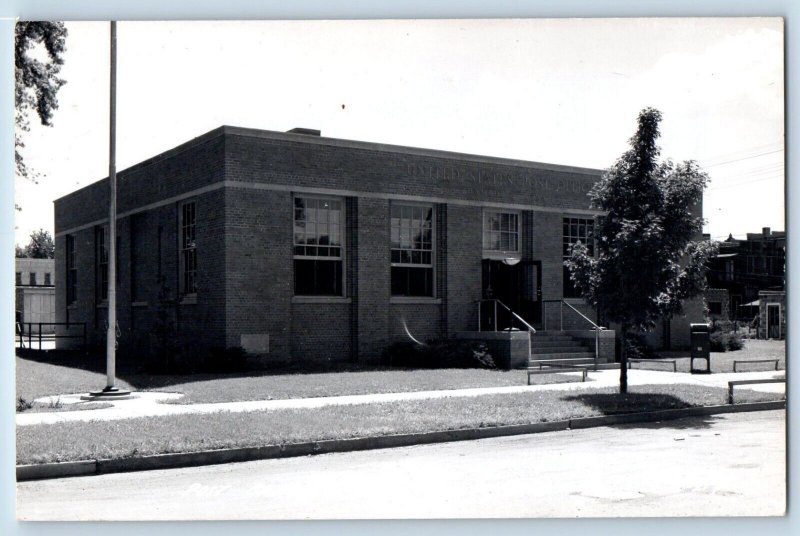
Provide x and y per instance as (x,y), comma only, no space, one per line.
(35,292)
(772,314)
(746,267)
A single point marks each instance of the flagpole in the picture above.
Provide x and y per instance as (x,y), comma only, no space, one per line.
(111,334)
(111,390)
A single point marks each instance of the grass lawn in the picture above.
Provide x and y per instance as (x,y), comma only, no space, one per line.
(723,361)
(188,433)
(36,379)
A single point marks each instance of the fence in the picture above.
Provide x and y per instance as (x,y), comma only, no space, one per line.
(39,336)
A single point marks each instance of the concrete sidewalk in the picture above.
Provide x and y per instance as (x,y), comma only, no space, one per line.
(146,404)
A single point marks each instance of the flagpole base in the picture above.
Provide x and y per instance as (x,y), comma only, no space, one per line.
(109,393)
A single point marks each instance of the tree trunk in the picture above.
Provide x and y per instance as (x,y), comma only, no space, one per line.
(623,362)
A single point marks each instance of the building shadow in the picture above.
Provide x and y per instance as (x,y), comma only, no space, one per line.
(137,375)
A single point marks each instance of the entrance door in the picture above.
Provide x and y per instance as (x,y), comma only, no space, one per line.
(531,303)
(518,286)
(773,321)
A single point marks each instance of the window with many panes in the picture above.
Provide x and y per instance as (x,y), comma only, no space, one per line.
(188,248)
(101,241)
(32,279)
(575,230)
(47,280)
(72,272)
(500,231)
(19,278)
(318,250)
(411,250)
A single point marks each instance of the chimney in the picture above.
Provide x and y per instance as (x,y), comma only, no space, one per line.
(306,131)
(766,231)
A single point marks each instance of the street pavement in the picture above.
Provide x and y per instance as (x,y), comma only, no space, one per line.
(146,404)
(722,465)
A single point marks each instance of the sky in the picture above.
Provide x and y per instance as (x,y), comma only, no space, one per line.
(562,91)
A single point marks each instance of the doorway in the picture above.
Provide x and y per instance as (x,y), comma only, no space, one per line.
(518,286)
(773,321)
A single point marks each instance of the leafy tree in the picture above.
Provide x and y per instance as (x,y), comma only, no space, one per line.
(37,81)
(41,246)
(646,262)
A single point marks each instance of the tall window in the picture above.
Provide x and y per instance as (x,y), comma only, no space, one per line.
(412,250)
(576,230)
(72,272)
(101,239)
(32,277)
(728,275)
(19,278)
(500,231)
(47,280)
(318,251)
(188,248)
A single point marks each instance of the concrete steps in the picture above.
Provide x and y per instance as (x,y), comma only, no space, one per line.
(558,348)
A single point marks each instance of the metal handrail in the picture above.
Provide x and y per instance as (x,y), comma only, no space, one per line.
(507,308)
(596,328)
(582,315)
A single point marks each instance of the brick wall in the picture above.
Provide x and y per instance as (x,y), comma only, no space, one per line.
(298,161)
(244,241)
(373,278)
(258,267)
(464,228)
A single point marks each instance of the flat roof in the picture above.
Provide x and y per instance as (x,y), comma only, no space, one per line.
(312,139)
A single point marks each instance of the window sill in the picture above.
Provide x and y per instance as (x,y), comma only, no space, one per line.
(140,304)
(102,305)
(415,299)
(72,306)
(320,299)
(189,299)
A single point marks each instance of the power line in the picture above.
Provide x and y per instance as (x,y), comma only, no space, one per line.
(744,152)
(743,158)
(776,177)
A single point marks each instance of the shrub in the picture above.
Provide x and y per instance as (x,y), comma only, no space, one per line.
(735,342)
(439,353)
(23,405)
(636,346)
(723,337)
(719,341)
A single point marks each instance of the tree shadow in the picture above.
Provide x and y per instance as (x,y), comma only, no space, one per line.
(632,403)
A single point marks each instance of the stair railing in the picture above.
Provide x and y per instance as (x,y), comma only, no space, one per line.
(597,329)
(494,315)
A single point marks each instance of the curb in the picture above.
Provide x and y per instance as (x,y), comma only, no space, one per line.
(212,457)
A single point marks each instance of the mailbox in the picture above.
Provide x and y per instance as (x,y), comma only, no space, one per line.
(701,347)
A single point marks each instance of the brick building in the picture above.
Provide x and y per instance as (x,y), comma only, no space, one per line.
(744,267)
(300,247)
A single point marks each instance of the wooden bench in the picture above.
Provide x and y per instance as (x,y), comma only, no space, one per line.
(734,383)
(655,361)
(555,369)
(736,362)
